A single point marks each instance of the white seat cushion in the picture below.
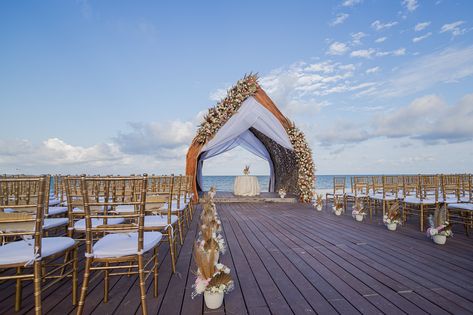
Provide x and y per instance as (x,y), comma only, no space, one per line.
(54,202)
(125,208)
(415,200)
(174,206)
(56,210)
(51,223)
(379,196)
(80,224)
(124,244)
(461,206)
(158,220)
(23,251)
(358,195)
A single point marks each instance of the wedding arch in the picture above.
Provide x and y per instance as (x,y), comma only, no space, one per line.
(247,117)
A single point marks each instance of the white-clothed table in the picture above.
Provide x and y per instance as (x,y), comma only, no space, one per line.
(246,186)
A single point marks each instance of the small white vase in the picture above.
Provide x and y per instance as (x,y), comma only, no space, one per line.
(318,207)
(359,217)
(338,212)
(391,226)
(213,300)
(282,195)
(439,239)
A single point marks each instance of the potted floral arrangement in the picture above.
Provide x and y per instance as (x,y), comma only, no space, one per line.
(392,218)
(211,242)
(246,170)
(337,207)
(213,280)
(282,193)
(358,212)
(212,192)
(439,228)
(318,204)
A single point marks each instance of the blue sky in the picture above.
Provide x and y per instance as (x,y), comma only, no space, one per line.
(120,86)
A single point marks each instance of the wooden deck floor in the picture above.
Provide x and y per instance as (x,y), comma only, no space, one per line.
(287,258)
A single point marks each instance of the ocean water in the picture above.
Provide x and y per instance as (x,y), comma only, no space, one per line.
(225,183)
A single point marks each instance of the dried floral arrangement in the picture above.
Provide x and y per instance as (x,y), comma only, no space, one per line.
(210,240)
(217,116)
(210,276)
(318,202)
(246,170)
(393,215)
(439,223)
(358,209)
(337,205)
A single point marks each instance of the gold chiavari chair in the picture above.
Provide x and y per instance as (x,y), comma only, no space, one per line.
(75,201)
(339,184)
(462,212)
(189,195)
(387,195)
(425,201)
(359,191)
(123,246)
(23,245)
(159,216)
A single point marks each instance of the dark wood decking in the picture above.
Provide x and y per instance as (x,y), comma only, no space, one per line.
(287,258)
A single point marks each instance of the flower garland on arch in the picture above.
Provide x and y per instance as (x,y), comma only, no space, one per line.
(218,115)
(305,163)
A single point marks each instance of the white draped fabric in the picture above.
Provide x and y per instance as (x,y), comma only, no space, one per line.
(236,132)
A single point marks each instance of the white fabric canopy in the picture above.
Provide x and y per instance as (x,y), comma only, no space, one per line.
(236,132)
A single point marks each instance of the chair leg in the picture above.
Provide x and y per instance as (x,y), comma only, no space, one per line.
(179,227)
(18,291)
(105,283)
(37,287)
(172,249)
(141,272)
(74,277)
(155,271)
(421,217)
(85,284)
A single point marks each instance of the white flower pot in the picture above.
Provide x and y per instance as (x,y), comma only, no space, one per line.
(338,212)
(282,195)
(439,239)
(359,217)
(391,226)
(213,300)
(318,207)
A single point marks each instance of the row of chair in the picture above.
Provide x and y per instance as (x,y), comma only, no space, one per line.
(120,220)
(419,195)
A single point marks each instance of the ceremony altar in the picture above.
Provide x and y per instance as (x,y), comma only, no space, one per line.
(246,185)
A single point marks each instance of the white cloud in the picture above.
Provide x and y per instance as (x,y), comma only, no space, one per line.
(454,28)
(351,3)
(218,95)
(357,37)
(337,48)
(410,5)
(424,72)
(380,39)
(398,52)
(363,53)
(378,25)
(152,138)
(428,118)
(339,19)
(373,70)
(421,26)
(418,39)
